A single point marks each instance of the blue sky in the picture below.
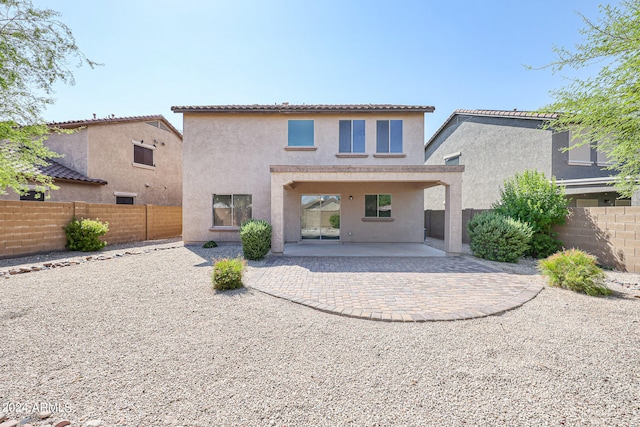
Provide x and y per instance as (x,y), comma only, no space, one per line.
(462,54)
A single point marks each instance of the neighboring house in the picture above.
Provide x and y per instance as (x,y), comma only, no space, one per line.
(123,160)
(317,173)
(494,145)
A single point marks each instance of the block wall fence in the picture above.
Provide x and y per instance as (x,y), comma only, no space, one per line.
(28,227)
(610,233)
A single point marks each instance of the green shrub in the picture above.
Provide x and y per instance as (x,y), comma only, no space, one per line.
(256,238)
(83,235)
(576,270)
(227,274)
(497,237)
(530,197)
(210,244)
(334,220)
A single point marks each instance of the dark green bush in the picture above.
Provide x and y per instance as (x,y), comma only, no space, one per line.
(334,220)
(83,235)
(227,274)
(530,197)
(210,244)
(497,237)
(256,238)
(576,270)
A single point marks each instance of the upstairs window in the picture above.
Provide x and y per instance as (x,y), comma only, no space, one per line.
(300,133)
(389,136)
(579,155)
(602,158)
(143,154)
(377,206)
(231,210)
(452,159)
(351,136)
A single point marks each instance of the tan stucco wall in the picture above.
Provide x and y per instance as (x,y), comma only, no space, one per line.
(74,148)
(406,211)
(111,159)
(105,151)
(231,154)
(490,153)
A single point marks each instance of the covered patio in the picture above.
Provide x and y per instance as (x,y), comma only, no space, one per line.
(287,182)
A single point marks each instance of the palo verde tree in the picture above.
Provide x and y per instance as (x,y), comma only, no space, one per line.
(605,109)
(35,47)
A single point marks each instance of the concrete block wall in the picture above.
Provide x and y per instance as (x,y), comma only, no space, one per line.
(127,223)
(33,227)
(610,233)
(30,227)
(163,222)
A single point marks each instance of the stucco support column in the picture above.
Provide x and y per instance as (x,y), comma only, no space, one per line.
(277,214)
(453,217)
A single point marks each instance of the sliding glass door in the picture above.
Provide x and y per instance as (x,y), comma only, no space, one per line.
(320,217)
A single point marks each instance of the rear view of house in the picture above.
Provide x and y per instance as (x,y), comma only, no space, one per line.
(317,173)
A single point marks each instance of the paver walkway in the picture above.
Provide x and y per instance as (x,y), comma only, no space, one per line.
(409,289)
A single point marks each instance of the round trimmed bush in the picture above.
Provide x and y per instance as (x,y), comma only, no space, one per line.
(227,274)
(83,235)
(498,238)
(256,238)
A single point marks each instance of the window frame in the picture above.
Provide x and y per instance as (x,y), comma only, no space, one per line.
(295,134)
(452,159)
(385,141)
(124,200)
(137,145)
(576,156)
(232,210)
(352,135)
(378,210)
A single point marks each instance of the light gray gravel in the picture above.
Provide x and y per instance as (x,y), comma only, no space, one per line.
(142,340)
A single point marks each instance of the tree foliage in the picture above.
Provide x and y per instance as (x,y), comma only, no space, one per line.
(604,109)
(531,198)
(34,50)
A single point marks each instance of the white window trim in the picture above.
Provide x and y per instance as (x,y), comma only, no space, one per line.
(142,144)
(142,166)
(150,147)
(124,194)
(451,156)
(579,163)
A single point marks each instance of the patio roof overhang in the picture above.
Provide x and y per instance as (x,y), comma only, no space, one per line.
(422,175)
(286,177)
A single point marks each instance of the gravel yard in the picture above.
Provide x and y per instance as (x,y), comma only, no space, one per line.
(142,340)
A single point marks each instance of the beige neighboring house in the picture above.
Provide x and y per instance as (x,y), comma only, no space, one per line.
(317,173)
(122,160)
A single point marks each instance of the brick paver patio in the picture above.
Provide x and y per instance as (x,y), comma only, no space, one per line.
(410,289)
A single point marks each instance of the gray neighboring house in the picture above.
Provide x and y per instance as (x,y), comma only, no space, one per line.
(494,145)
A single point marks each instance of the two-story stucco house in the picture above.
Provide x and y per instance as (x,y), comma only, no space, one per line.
(494,145)
(317,173)
(120,160)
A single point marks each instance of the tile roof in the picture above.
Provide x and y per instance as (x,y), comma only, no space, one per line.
(71,124)
(304,108)
(513,114)
(508,113)
(62,173)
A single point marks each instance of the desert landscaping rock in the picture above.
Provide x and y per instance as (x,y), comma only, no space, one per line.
(135,339)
